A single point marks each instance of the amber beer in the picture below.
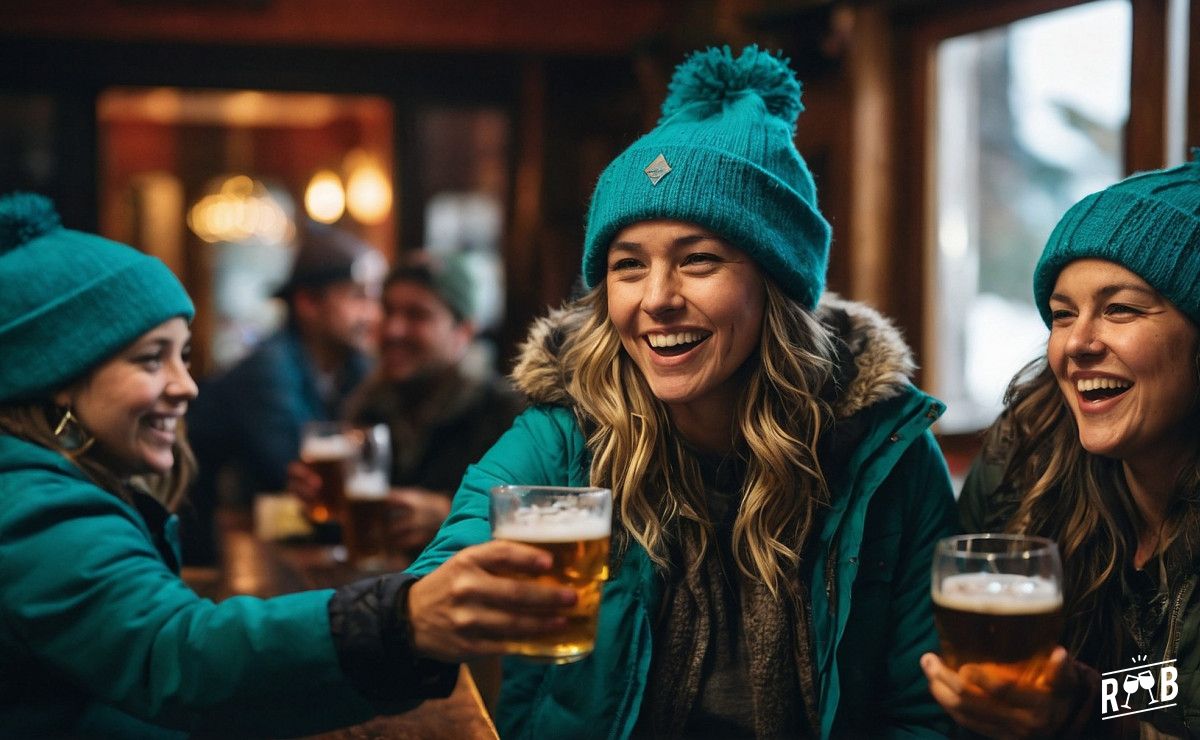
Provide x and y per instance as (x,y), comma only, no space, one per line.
(573,525)
(1009,621)
(988,618)
(365,520)
(329,456)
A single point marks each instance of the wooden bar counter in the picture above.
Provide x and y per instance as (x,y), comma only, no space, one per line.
(252,566)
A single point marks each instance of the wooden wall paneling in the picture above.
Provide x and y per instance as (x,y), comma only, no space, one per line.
(1145,137)
(561,26)
(521,255)
(1193,81)
(879,269)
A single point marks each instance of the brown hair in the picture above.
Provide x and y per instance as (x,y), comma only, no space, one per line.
(1081,500)
(31,421)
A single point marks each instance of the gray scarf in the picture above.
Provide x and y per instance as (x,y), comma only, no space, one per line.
(704,667)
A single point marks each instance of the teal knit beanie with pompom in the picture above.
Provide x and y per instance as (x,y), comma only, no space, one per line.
(69,300)
(722,157)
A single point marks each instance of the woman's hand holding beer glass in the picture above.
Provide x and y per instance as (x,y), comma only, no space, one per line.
(996,704)
(997,603)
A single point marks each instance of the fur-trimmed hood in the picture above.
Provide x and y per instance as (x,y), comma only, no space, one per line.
(883,362)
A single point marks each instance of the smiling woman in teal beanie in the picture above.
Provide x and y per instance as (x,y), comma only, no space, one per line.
(1098,448)
(99,636)
(777,491)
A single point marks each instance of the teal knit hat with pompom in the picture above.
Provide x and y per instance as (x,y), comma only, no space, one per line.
(722,157)
(69,300)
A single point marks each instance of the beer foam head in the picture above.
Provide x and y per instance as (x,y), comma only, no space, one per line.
(552,524)
(367,484)
(331,447)
(998,593)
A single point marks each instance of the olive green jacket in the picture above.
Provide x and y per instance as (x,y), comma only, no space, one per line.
(981,506)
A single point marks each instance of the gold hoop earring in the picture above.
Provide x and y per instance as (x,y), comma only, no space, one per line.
(71,436)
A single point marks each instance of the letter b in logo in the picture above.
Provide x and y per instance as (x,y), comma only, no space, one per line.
(1168,689)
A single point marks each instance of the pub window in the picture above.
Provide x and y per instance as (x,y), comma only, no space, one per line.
(1029,117)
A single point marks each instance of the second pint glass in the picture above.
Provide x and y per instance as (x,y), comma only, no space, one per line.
(328,448)
(573,525)
(366,513)
(997,600)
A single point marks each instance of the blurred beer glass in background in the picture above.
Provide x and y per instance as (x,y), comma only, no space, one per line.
(997,601)
(573,525)
(365,513)
(327,447)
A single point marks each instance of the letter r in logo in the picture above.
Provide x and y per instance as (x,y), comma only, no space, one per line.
(1108,693)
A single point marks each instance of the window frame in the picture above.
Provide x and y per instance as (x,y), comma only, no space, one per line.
(917,30)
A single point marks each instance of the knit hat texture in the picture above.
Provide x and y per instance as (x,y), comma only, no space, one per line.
(69,300)
(447,276)
(1148,223)
(722,157)
(326,255)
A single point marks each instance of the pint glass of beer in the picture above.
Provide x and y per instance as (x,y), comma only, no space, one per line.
(573,525)
(997,601)
(328,448)
(366,512)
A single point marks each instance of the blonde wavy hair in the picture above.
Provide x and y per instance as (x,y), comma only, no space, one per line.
(1081,501)
(657,489)
(35,421)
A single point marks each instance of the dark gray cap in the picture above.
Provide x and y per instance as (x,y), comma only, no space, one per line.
(326,255)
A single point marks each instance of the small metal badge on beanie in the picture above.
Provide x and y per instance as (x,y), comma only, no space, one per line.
(657,169)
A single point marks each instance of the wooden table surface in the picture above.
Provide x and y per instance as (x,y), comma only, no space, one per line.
(259,568)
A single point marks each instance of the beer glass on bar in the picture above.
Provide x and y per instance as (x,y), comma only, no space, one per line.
(997,601)
(365,513)
(327,447)
(573,525)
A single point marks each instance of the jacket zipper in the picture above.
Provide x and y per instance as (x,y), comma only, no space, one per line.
(1173,631)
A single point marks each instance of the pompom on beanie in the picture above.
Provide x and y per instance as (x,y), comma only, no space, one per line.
(69,300)
(722,157)
(1149,223)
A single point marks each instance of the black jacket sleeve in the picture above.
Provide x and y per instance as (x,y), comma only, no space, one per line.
(373,639)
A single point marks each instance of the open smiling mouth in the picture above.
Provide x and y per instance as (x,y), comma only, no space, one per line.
(1101,389)
(670,345)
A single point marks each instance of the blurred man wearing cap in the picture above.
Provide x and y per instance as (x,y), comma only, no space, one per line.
(443,415)
(251,418)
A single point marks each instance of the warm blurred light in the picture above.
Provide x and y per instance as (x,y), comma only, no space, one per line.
(237,209)
(243,108)
(324,198)
(163,104)
(368,191)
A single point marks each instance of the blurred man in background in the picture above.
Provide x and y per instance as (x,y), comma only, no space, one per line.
(444,410)
(248,426)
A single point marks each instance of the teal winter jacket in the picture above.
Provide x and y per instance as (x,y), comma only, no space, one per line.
(871,617)
(100,638)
